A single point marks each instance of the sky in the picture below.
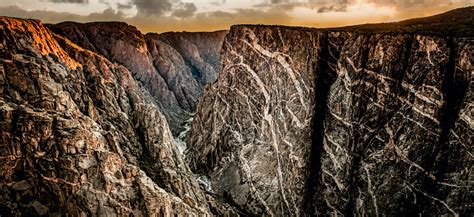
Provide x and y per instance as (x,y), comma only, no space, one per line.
(210,15)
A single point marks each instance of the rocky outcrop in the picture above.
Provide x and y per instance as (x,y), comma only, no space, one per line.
(174,73)
(252,132)
(200,50)
(339,122)
(80,136)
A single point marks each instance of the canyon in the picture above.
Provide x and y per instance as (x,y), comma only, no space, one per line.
(370,120)
(173,67)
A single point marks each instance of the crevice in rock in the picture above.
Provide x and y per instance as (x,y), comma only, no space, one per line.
(148,163)
(195,72)
(355,147)
(406,58)
(454,89)
(226,198)
(324,80)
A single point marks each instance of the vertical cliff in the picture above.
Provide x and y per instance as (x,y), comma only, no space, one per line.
(370,120)
(201,51)
(252,132)
(390,110)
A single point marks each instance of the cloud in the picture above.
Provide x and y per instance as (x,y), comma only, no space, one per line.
(342,15)
(404,4)
(121,6)
(56,17)
(278,1)
(153,7)
(217,3)
(185,10)
(332,8)
(70,1)
(343,5)
(209,21)
(409,3)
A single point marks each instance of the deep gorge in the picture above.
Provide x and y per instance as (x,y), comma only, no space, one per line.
(369,120)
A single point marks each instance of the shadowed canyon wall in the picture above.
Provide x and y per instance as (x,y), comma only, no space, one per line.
(173,67)
(333,122)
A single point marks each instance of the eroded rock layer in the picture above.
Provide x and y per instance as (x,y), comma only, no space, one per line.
(317,122)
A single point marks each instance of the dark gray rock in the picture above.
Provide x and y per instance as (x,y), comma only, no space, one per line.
(336,122)
(252,132)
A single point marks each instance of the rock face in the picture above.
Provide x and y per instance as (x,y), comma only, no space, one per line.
(371,120)
(200,50)
(252,131)
(390,109)
(338,122)
(174,73)
(80,136)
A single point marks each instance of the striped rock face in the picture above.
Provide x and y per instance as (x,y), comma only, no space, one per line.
(332,122)
(254,125)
